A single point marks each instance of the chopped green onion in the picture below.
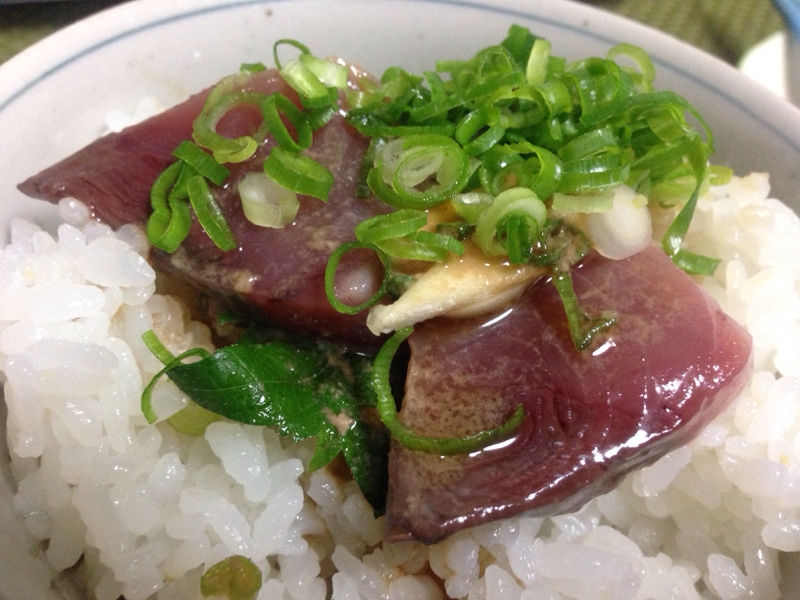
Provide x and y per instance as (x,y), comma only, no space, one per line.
(276,105)
(330,278)
(536,67)
(192,419)
(313,92)
(437,445)
(471,204)
(204,164)
(588,144)
(646,72)
(518,237)
(209,213)
(430,170)
(719,175)
(266,203)
(299,173)
(521,201)
(171,219)
(224,149)
(582,327)
(147,395)
(256,67)
(235,577)
(330,73)
(392,225)
(422,245)
(479,130)
(287,42)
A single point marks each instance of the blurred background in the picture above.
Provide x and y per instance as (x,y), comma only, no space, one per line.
(725,28)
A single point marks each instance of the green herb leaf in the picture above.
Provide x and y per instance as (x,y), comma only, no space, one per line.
(302,389)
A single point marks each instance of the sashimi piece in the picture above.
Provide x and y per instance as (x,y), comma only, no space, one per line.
(671,364)
(274,273)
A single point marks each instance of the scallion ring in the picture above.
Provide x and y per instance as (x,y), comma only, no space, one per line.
(521,201)
(201,161)
(330,278)
(422,245)
(224,149)
(276,105)
(171,219)
(391,225)
(331,74)
(430,170)
(479,130)
(299,173)
(313,92)
(209,213)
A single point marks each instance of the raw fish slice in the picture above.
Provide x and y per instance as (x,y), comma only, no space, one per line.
(671,364)
(276,273)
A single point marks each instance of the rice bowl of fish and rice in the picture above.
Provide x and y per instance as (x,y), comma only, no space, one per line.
(127,508)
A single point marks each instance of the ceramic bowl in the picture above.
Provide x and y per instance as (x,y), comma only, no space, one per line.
(54,98)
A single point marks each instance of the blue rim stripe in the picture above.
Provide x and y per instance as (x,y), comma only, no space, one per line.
(517,14)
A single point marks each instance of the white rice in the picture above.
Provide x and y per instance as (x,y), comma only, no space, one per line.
(149,509)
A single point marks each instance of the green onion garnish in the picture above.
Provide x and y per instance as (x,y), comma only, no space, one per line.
(171,219)
(209,213)
(276,105)
(298,173)
(235,577)
(408,437)
(330,278)
(395,224)
(224,149)
(204,164)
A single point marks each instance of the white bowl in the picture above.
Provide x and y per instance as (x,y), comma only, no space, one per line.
(55,95)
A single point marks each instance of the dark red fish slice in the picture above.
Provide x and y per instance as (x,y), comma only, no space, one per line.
(672,364)
(276,273)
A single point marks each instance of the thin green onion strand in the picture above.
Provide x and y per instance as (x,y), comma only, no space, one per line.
(582,327)
(209,213)
(159,350)
(443,446)
(147,394)
(287,42)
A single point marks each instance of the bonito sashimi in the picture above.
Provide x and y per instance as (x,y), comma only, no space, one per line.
(670,365)
(276,274)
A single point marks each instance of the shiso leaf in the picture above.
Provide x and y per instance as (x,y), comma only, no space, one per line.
(304,389)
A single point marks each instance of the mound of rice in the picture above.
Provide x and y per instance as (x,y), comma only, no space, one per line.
(139,511)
